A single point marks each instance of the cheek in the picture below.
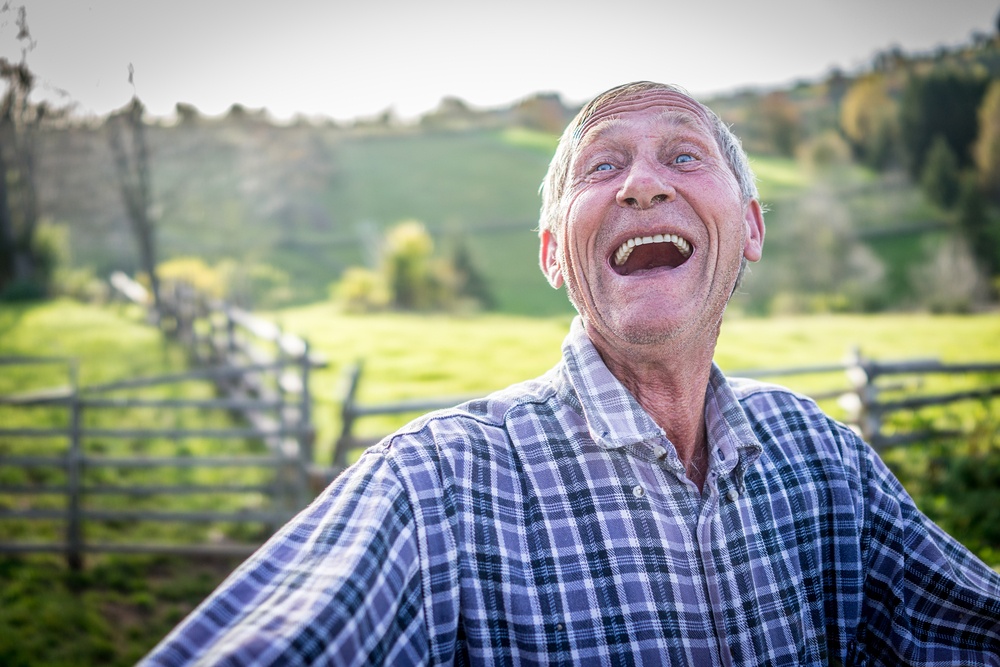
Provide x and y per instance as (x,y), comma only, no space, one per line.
(583,215)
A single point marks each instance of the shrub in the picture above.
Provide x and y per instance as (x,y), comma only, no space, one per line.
(360,291)
(411,278)
(940,177)
(950,282)
(191,270)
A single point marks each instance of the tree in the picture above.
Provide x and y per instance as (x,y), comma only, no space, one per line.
(781,123)
(945,102)
(187,114)
(940,178)
(868,119)
(542,111)
(471,283)
(987,147)
(980,225)
(132,166)
(21,261)
(950,281)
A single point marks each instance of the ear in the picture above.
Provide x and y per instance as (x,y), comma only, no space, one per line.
(548,259)
(753,247)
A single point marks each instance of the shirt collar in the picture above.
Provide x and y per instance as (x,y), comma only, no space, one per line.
(616,419)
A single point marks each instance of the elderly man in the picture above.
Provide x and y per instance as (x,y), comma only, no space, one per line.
(632,506)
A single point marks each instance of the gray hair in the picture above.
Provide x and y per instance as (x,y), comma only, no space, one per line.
(553,186)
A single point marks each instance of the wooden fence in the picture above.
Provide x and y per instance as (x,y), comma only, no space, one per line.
(262,471)
(858,386)
(251,360)
(250,466)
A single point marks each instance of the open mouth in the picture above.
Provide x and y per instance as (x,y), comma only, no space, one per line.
(643,253)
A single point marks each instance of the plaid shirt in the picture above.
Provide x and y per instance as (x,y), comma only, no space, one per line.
(552,523)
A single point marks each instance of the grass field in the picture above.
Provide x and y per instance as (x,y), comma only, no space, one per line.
(408,356)
(120,606)
(416,356)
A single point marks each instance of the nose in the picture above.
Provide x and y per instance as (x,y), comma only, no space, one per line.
(645,186)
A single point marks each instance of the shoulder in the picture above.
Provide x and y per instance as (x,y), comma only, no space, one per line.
(795,423)
(764,398)
(486,427)
(491,412)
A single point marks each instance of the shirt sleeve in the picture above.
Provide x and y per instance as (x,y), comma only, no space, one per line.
(340,584)
(927,599)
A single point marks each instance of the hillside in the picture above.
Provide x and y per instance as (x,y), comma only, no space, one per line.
(301,202)
(309,201)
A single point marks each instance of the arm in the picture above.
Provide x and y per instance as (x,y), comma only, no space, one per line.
(927,599)
(339,584)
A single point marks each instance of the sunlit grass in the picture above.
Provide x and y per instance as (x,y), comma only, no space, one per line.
(413,356)
(778,176)
(120,606)
(106,345)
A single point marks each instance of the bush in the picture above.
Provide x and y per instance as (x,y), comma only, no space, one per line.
(965,488)
(940,177)
(406,262)
(826,150)
(950,282)
(22,291)
(49,250)
(980,223)
(411,278)
(360,291)
(193,271)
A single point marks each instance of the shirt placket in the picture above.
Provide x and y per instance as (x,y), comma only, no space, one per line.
(707,526)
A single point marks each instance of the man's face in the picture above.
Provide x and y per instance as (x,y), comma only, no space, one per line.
(653,224)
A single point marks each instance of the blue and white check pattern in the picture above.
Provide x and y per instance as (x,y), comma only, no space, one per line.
(551,524)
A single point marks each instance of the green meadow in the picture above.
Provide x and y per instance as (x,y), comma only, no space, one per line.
(414,356)
(114,611)
(408,356)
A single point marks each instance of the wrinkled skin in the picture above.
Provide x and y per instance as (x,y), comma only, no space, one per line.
(642,166)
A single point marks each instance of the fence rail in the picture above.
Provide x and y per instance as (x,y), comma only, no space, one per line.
(79,471)
(260,376)
(855,384)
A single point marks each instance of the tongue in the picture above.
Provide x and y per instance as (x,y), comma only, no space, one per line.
(651,256)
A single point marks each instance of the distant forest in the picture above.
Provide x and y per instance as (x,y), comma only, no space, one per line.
(882,189)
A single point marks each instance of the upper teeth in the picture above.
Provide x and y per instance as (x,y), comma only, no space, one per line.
(626,248)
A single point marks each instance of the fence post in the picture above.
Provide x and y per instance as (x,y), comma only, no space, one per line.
(228,355)
(292,483)
(281,361)
(74,478)
(862,373)
(347,417)
(305,414)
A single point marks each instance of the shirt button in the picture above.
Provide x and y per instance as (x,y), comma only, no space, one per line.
(659,451)
(638,491)
(733,495)
(559,626)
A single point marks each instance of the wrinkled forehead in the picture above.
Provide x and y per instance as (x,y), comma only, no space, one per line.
(669,102)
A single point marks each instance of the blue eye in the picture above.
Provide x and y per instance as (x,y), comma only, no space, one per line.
(684,157)
(604,166)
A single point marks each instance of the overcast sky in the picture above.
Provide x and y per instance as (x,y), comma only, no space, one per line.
(350,58)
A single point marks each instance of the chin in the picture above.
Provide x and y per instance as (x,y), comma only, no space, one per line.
(644,331)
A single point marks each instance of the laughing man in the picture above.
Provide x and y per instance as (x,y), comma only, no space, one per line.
(633,505)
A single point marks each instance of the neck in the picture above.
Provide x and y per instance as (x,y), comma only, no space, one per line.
(669,381)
